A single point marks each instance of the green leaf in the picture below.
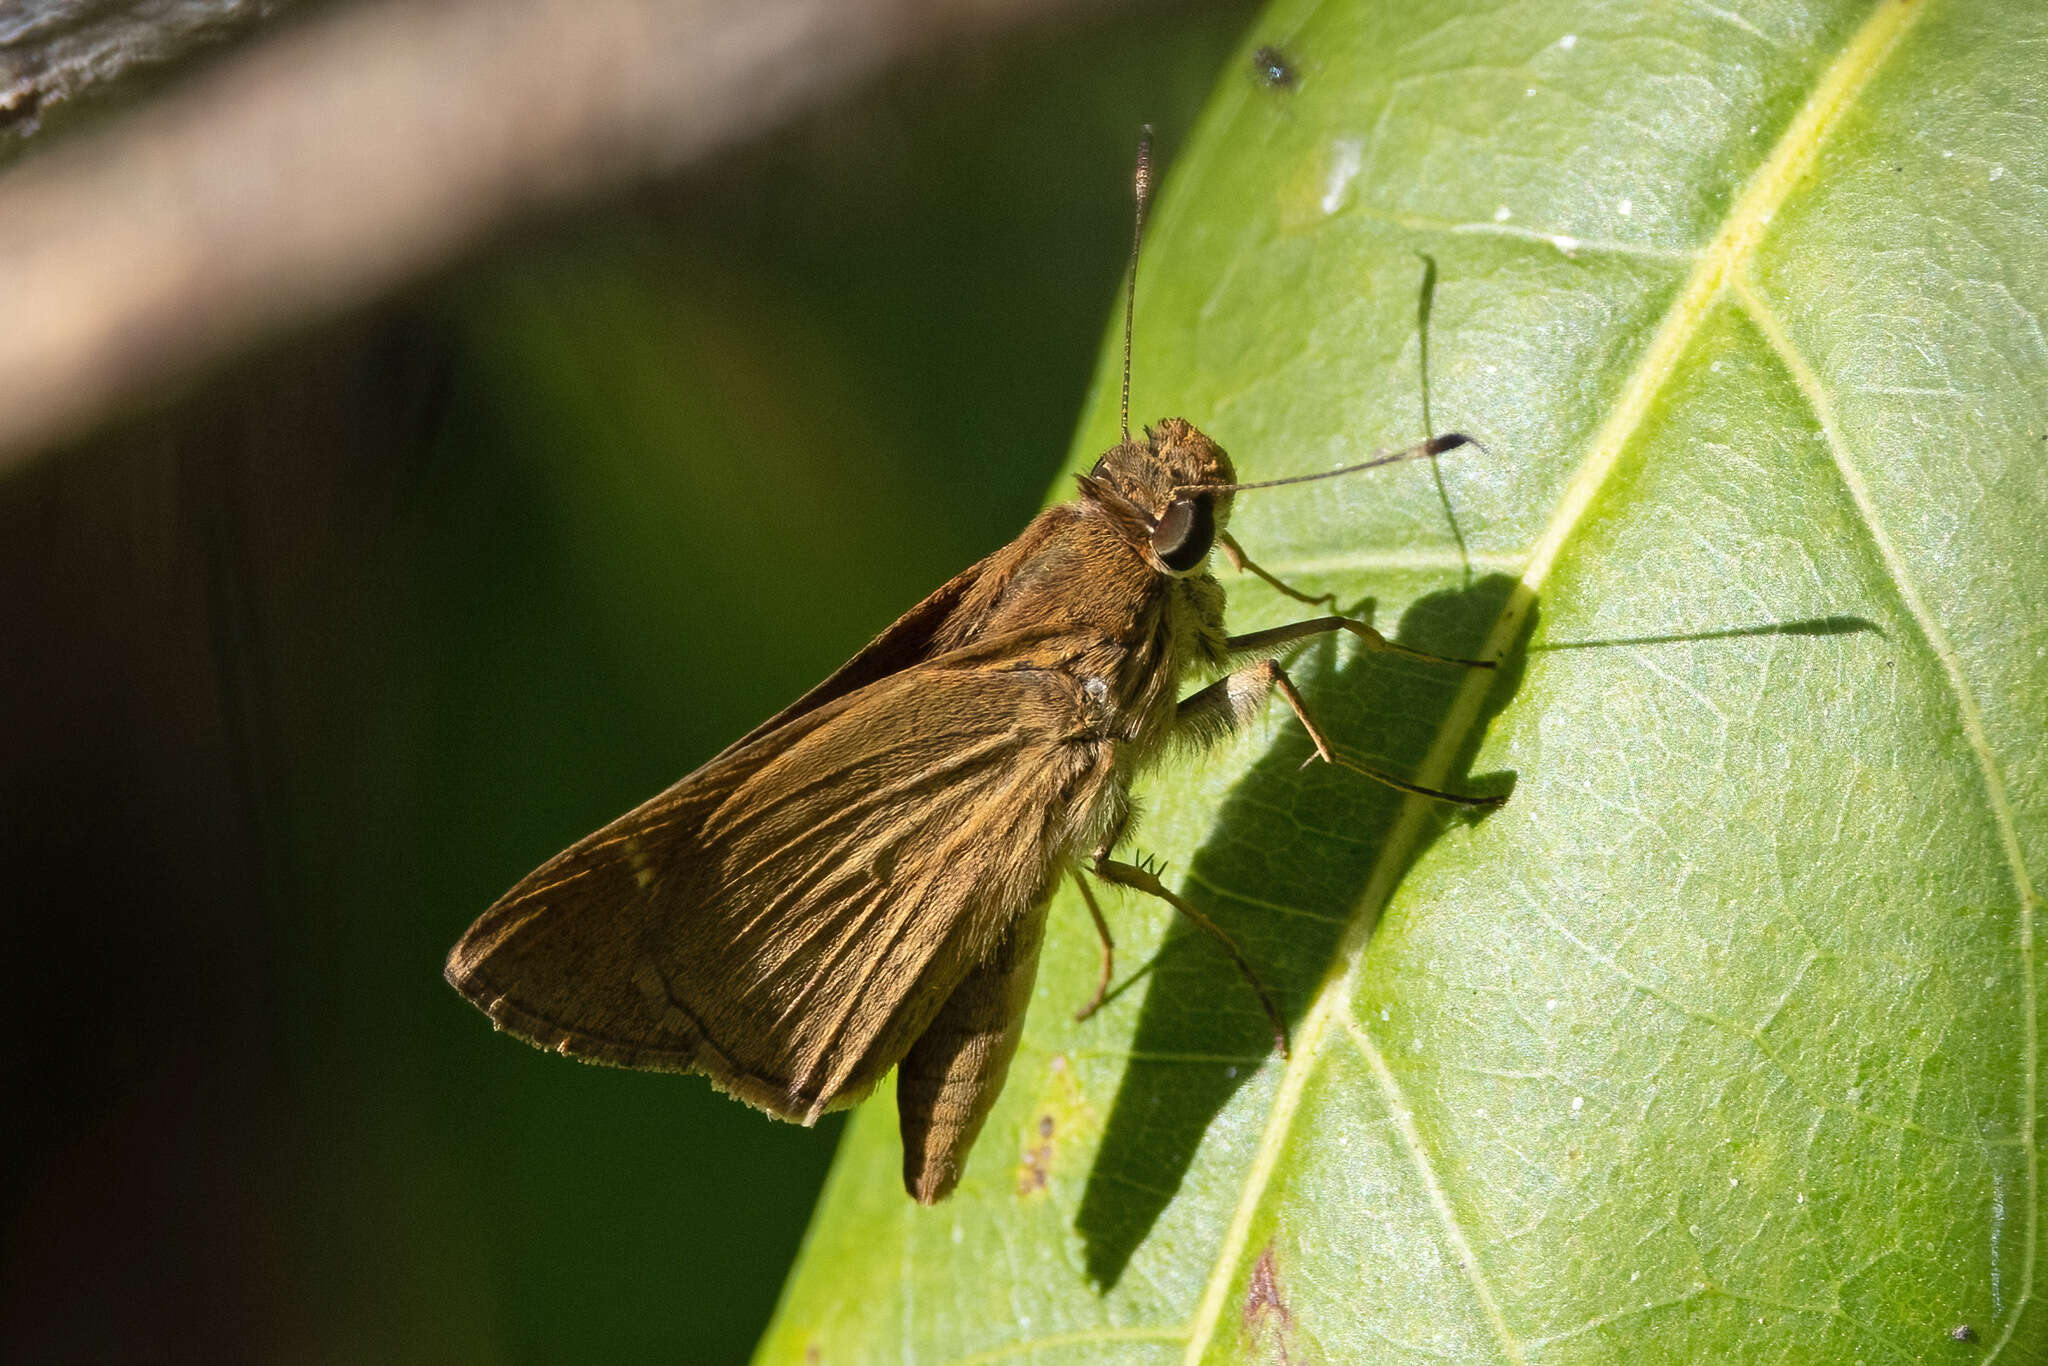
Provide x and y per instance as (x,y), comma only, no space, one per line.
(1722,1040)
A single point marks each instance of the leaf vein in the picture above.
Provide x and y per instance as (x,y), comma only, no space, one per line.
(1439,1199)
(1734,242)
(1753,1036)
(1971,717)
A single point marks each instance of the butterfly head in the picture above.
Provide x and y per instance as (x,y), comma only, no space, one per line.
(1169,494)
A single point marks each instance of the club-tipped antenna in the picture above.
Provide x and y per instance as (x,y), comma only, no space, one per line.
(1436,445)
(1141,187)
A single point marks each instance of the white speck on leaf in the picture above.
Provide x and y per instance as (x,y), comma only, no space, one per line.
(1569,41)
(1578,1104)
(1502,214)
(1349,155)
(1627,206)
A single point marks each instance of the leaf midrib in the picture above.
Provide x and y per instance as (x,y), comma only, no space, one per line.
(1733,244)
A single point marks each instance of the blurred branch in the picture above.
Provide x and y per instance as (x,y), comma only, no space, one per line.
(55,50)
(330,162)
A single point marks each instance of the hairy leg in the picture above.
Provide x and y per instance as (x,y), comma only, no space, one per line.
(1231,702)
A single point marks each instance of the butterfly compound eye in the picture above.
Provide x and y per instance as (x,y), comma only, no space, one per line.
(1184,535)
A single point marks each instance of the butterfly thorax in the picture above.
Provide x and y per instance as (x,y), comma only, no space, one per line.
(1115,584)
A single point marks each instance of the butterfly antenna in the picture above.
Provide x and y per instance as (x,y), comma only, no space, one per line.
(1436,445)
(1141,185)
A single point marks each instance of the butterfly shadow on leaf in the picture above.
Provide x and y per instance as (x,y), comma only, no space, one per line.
(1290,854)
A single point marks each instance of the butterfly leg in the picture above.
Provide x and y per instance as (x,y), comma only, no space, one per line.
(1243,564)
(1262,644)
(1233,700)
(1110,840)
(1108,947)
(1142,880)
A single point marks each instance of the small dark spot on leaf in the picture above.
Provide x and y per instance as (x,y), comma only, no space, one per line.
(812,1356)
(1962,1332)
(1274,69)
(1036,1169)
(1268,1322)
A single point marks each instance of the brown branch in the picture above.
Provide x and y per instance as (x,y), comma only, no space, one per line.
(335,160)
(56,50)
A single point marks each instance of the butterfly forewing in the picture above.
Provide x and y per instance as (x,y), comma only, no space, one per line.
(789,918)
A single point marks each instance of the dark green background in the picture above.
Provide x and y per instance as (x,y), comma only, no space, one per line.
(307,666)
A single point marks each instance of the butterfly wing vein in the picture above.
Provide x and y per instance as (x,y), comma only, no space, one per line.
(789,919)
